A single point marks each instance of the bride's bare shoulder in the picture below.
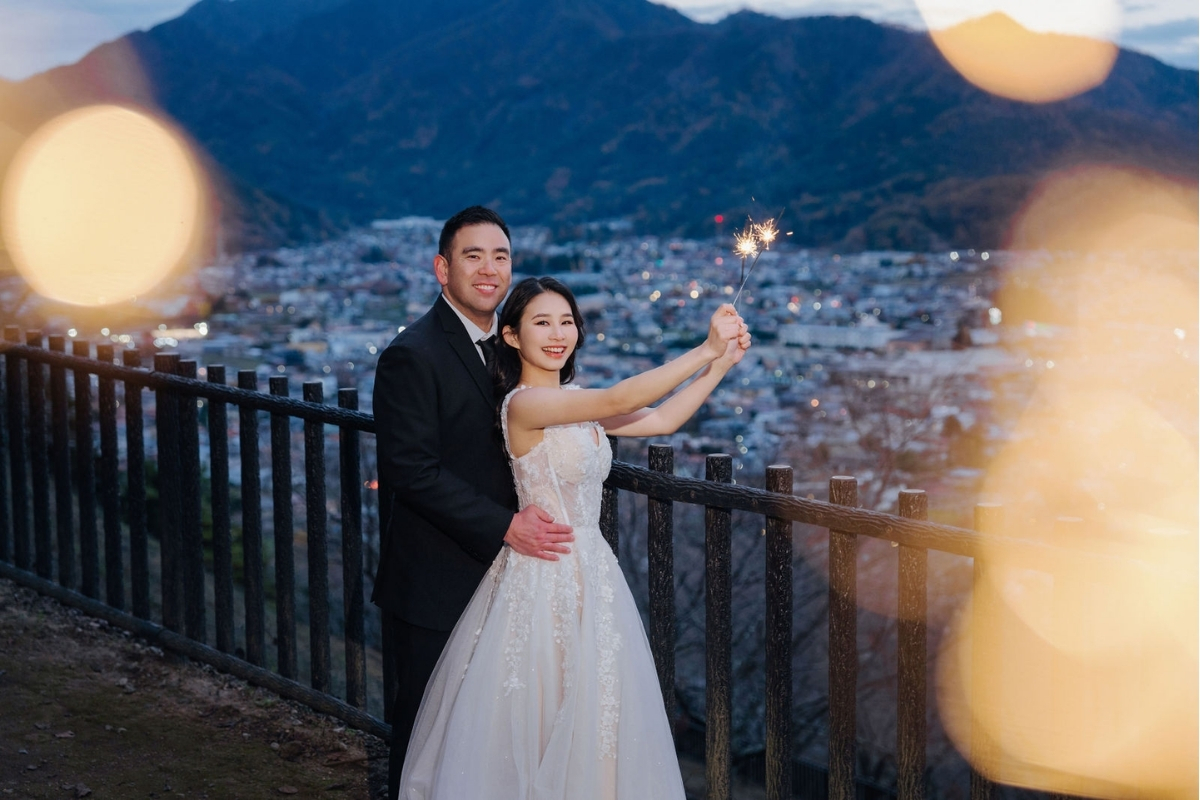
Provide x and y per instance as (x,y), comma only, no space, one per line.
(565,396)
(525,398)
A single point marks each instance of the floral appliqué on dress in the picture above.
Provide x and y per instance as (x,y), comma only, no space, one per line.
(563,475)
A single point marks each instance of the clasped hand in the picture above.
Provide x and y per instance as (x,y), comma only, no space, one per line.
(728,335)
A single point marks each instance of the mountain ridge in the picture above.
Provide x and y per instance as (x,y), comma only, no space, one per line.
(561,111)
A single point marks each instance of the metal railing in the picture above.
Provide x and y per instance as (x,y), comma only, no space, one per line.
(37,456)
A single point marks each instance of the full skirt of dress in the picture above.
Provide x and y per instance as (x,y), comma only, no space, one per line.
(546,690)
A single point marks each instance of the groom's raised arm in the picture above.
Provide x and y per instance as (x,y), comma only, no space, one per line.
(409,443)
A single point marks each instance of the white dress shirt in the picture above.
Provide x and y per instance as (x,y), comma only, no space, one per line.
(474,331)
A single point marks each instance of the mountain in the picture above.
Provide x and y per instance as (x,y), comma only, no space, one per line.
(318,113)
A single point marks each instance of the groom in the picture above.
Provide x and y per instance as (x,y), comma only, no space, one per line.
(448,493)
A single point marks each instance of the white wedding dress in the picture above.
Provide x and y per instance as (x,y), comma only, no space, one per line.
(546,689)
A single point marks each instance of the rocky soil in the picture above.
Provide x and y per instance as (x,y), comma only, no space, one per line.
(88,710)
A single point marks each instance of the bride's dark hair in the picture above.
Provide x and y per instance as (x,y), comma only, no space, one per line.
(506,371)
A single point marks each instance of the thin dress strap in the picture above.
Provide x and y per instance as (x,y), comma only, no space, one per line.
(504,418)
(504,413)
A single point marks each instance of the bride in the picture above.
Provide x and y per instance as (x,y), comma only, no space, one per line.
(546,689)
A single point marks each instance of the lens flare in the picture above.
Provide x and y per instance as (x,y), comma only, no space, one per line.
(1035,52)
(1076,676)
(1073,669)
(99,205)
(1100,209)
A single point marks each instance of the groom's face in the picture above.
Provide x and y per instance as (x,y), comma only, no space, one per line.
(477,271)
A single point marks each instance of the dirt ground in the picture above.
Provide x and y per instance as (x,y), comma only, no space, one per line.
(88,710)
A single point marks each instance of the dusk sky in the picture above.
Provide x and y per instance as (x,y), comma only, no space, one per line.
(36,35)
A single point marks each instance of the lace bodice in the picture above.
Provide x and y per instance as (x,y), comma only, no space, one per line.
(564,473)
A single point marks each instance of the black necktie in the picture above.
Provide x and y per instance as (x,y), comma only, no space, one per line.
(488,346)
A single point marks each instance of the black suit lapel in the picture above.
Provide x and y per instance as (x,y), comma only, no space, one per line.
(462,345)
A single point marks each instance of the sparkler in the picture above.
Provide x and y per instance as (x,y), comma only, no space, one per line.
(745,244)
(751,242)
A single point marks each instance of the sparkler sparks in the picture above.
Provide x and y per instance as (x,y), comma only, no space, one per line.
(766,232)
(745,244)
(751,242)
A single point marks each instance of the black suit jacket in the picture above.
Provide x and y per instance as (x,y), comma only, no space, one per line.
(446,487)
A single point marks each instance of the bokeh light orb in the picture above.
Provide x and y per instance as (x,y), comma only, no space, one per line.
(1098,208)
(99,205)
(1073,669)
(1027,50)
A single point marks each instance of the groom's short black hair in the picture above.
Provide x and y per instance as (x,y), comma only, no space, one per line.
(475,215)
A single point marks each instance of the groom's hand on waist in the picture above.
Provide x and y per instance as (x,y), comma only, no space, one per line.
(533,532)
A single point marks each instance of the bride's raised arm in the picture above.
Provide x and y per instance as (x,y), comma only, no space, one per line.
(678,409)
(623,406)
